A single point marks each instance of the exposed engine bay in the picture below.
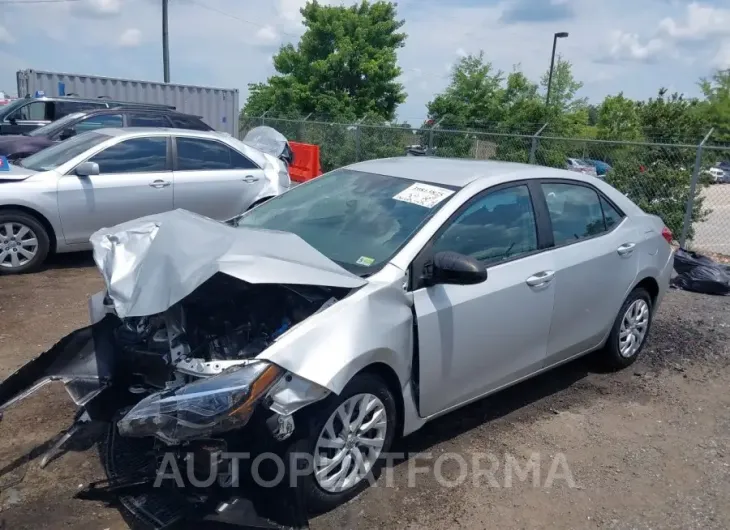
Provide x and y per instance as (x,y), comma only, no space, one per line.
(222,324)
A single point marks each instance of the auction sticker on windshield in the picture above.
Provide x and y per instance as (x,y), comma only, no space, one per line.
(423,195)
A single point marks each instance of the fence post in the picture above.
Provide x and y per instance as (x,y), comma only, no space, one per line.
(692,188)
(533,148)
(430,136)
(263,117)
(357,139)
(301,127)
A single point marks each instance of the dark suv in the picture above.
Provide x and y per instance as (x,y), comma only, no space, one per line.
(16,147)
(25,114)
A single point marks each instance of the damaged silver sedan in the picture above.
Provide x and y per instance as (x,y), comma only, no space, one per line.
(353,309)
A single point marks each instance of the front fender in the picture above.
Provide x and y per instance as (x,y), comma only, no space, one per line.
(373,325)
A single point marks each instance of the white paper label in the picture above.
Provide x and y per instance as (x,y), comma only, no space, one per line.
(423,195)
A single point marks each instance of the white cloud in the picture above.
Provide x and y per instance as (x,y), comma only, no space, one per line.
(206,45)
(701,22)
(628,46)
(99,8)
(461,52)
(5,36)
(722,58)
(267,35)
(130,38)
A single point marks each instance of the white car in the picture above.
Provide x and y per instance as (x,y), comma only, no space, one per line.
(716,174)
(52,201)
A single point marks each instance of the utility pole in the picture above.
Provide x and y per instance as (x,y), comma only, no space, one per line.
(165,44)
(561,35)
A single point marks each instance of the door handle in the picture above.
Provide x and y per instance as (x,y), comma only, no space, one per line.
(541,278)
(626,249)
(249,178)
(160,183)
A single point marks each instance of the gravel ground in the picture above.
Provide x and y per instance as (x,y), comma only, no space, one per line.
(646,448)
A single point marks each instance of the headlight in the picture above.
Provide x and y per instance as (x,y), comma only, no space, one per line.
(210,406)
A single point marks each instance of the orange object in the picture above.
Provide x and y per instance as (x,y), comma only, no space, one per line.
(306,162)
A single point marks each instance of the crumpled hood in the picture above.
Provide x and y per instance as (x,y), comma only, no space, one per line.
(151,263)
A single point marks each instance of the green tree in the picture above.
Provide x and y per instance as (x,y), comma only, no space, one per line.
(716,110)
(564,88)
(672,118)
(474,95)
(343,68)
(618,119)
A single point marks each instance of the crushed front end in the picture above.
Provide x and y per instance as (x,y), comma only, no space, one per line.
(183,388)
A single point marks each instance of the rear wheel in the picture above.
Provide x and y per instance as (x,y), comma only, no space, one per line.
(630,330)
(24,242)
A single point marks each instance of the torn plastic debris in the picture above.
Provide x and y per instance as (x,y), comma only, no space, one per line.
(151,263)
(700,274)
(270,141)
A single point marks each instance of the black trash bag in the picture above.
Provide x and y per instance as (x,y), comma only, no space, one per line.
(700,274)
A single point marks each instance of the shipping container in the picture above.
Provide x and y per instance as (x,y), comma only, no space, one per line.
(217,106)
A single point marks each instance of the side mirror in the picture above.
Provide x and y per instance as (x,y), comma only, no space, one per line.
(454,268)
(85,169)
(67,133)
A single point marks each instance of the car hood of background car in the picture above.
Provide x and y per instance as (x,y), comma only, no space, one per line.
(152,263)
(11,144)
(16,174)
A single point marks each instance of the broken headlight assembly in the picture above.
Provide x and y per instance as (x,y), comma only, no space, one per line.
(203,408)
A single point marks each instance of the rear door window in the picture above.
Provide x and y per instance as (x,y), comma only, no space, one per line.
(198,154)
(576,212)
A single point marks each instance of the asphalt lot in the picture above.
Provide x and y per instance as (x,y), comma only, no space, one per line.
(648,447)
(713,234)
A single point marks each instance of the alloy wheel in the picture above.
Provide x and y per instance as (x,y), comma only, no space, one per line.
(634,326)
(350,443)
(18,245)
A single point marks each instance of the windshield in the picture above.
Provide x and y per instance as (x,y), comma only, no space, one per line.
(59,154)
(58,125)
(358,220)
(10,107)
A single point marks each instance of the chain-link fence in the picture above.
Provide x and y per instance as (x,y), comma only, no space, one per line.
(684,184)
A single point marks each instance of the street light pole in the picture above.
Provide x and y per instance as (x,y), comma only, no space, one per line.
(165,45)
(560,35)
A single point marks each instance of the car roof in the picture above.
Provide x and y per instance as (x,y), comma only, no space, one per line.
(458,171)
(155,131)
(139,110)
(108,101)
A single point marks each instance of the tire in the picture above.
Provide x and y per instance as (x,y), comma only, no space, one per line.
(638,300)
(18,254)
(317,496)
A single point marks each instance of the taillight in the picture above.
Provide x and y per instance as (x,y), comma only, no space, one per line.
(667,234)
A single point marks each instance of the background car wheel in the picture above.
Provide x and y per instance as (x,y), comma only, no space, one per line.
(347,436)
(630,330)
(24,242)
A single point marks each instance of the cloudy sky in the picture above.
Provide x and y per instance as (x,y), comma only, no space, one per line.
(634,46)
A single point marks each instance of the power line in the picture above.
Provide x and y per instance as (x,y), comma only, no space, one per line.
(229,15)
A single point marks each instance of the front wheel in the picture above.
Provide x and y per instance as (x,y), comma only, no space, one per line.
(348,435)
(24,242)
(630,330)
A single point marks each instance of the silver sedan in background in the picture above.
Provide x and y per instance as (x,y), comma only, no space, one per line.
(54,200)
